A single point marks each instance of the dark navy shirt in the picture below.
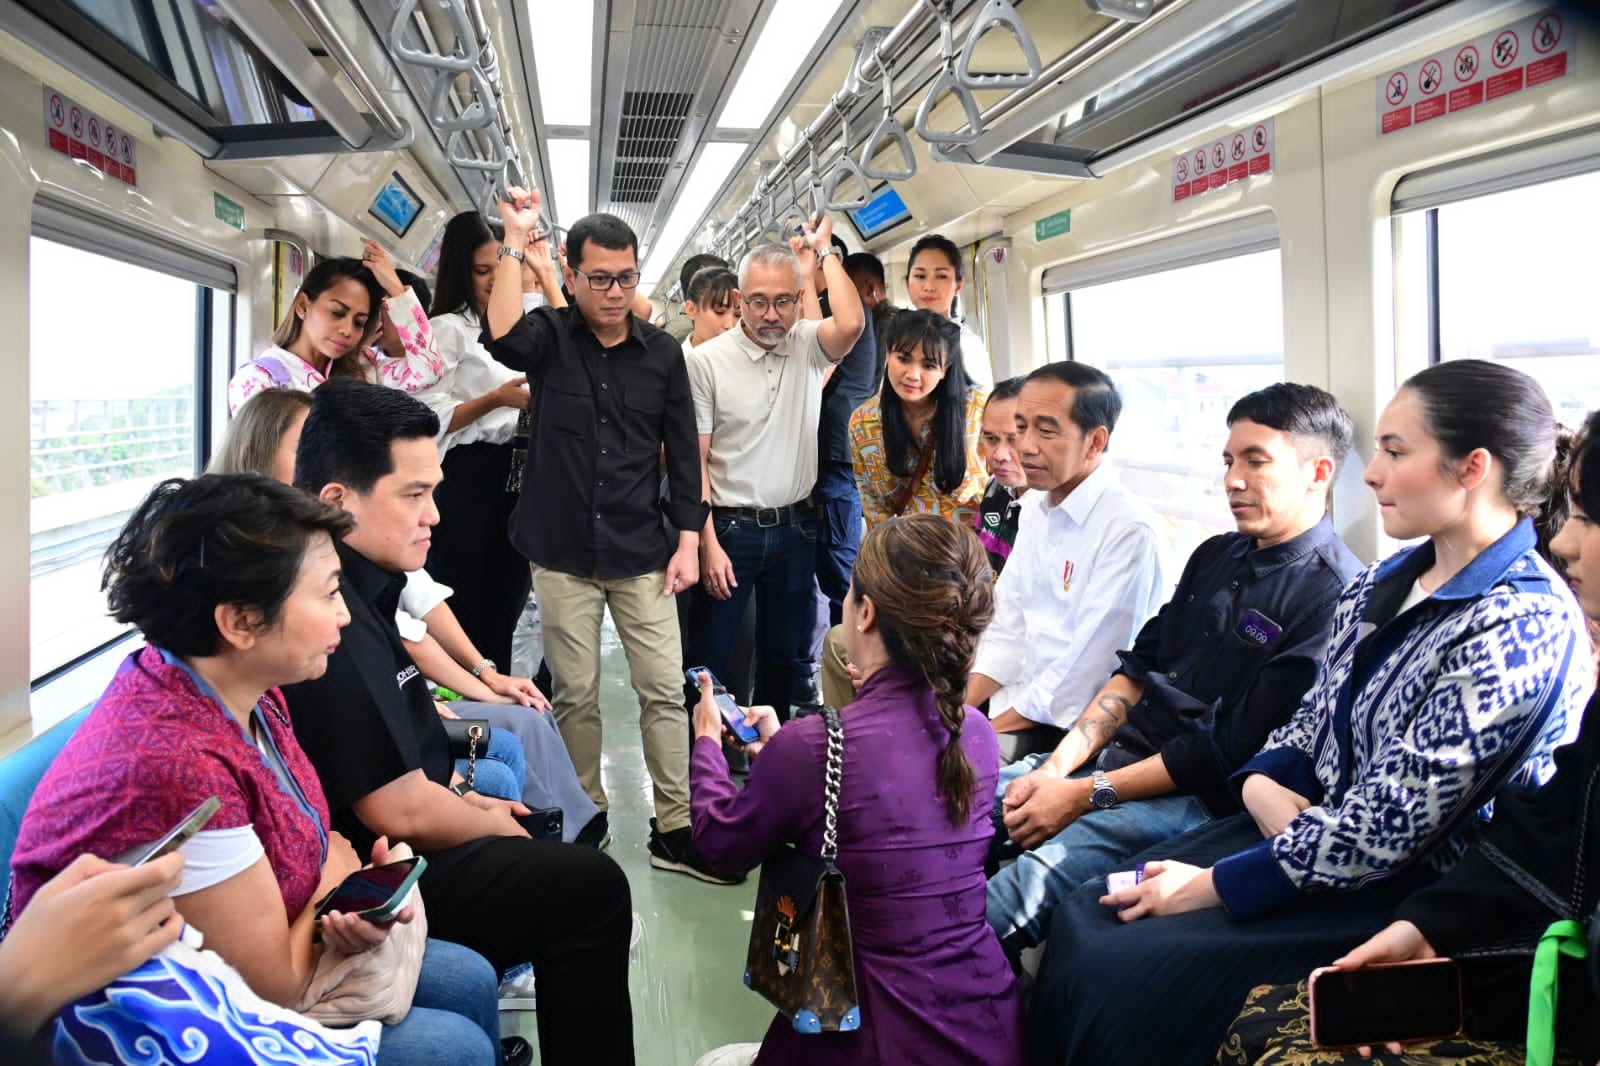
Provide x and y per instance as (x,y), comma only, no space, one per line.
(1228,658)
(854,379)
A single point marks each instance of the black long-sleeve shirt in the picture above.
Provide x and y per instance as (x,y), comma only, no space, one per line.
(854,379)
(1228,658)
(591,492)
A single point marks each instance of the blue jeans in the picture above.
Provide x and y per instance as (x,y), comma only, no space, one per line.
(454,1016)
(549,779)
(777,565)
(839,537)
(501,764)
(1023,896)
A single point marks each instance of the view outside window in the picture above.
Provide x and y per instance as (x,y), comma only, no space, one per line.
(108,420)
(1516,286)
(1182,346)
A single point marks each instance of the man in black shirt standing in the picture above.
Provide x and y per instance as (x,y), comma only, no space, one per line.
(371,730)
(610,402)
(1219,667)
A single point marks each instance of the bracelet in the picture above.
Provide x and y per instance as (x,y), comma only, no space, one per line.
(483,664)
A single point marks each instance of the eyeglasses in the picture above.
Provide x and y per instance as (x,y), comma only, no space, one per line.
(782,304)
(628,279)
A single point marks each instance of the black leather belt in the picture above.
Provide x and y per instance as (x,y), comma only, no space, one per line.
(767,517)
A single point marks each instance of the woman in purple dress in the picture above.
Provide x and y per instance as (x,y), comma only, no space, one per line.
(932,983)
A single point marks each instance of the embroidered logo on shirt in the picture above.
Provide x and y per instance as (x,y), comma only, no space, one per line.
(1066,577)
(405,675)
(991,520)
(1257,628)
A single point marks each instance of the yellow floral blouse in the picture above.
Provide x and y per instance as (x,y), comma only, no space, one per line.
(878,484)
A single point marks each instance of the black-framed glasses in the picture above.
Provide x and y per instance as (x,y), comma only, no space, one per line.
(781,304)
(628,279)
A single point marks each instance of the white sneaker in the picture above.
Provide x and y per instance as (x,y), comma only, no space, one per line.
(638,931)
(730,1055)
(517,992)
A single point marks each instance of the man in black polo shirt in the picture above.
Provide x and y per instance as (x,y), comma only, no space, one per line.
(1220,666)
(370,728)
(610,403)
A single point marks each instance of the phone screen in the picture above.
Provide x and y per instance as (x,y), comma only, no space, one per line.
(369,889)
(731,714)
(1411,1001)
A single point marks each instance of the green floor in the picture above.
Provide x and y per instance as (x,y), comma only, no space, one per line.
(687,971)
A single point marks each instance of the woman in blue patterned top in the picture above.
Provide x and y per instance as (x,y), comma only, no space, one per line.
(1455,668)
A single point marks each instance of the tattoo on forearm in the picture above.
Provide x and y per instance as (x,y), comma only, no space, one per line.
(1100,722)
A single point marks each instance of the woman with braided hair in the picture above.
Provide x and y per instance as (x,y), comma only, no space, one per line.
(932,983)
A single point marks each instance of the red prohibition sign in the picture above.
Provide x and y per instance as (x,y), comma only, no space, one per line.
(1258,137)
(1200,161)
(1238,146)
(127,149)
(1183,168)
(75,120)
(1397,87)
(1467,64)
(1505,49)
(58,113)
(1430,77)
(1219,156)
(1547,33)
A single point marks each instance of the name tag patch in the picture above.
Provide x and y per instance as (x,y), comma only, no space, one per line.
(1257,628)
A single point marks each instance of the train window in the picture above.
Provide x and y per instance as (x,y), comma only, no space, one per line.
(111,414)
(1182,345)
(1510,281)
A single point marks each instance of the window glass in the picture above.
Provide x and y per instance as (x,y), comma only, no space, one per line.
(1182,346)
(1516,286)
(111,414)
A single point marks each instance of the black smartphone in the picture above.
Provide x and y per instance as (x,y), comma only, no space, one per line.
(1404,1001)
(542,823)
(173,838)
(731,714)
(376,893)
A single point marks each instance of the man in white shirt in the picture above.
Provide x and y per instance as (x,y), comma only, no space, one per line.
(758,398)
(1085,571)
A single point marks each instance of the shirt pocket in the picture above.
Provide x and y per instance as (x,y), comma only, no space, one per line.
(646,403)
(569,410)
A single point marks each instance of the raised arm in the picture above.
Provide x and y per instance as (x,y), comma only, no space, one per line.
(520,215)
(839,333)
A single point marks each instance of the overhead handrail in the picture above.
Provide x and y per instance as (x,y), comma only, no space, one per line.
(339,51)
(997,15)
(466,57)
(475,115)
(887,132)
(466,159)
(816,196)
(948,82)
(845,169)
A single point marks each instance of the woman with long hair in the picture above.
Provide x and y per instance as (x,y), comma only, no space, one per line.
(915,445)
(913,828)
(935,277)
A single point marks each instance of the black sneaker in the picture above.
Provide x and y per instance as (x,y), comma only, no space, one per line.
(515,1051)
(675,851)
(597,834)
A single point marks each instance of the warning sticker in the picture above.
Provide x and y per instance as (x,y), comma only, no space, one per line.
(78,133)
(1220,163)
(1521,56)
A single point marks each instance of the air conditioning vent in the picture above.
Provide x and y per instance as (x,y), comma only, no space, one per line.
(648,134)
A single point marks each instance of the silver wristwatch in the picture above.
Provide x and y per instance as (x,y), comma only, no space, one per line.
(1104,794)
(483,664)
(515,253)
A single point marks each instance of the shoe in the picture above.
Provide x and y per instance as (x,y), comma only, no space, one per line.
(515,1051)
(517,991)
(675,851)
(595,834)
(637,933)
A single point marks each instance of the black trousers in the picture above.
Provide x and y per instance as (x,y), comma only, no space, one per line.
(564,908)
(472,550)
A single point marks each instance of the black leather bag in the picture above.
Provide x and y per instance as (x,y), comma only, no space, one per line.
(467,738)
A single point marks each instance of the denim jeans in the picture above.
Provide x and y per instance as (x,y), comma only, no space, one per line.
(1023,896)
(501,765)
(777,565)
(454,1016)
(839,537)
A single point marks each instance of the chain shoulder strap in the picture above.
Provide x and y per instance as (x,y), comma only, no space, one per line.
(832,782)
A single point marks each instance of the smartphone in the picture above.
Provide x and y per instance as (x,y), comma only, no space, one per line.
(376,893)
(543,823)
(1404,1001)
(1116,882)
(172,839)
(731,714)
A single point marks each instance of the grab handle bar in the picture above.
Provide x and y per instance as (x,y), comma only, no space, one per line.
(466,39)
(888,132)
(999,14)
(948,82)
(475,116)
(845,169)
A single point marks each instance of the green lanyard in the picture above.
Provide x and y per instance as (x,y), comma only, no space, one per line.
(1562,938)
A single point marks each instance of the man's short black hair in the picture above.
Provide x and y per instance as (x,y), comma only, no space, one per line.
(347,435)
(1308,414)
(693,265)
(868,264)
(1095,399)
(607,231)
(1008,389)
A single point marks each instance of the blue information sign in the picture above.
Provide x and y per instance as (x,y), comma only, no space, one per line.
(396,205)
(883,212)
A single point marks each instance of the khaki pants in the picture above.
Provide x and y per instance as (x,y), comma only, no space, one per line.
(570,610)
(837,691)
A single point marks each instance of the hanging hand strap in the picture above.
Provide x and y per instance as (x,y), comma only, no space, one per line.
(1562,938)
(832,782)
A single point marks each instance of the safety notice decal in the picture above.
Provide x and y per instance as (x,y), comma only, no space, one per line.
(1236,157)
(78,133)
(1521,56)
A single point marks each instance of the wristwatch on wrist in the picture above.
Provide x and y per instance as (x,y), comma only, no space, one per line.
(825,252)
(483,664)
(461,788)
(515,253)
(1104,794)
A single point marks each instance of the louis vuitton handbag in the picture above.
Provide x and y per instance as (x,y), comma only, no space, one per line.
(801,957)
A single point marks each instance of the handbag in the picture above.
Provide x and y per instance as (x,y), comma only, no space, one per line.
(466,737)
(801,957)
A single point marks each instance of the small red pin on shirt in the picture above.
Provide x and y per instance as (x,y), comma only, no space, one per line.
(1066,577)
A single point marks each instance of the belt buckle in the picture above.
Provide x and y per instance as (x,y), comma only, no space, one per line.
(763,512)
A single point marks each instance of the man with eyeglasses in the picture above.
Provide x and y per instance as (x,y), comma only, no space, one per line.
(757,404)
(610,397)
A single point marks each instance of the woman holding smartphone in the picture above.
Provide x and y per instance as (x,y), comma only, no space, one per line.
(234,582)
(1448,677)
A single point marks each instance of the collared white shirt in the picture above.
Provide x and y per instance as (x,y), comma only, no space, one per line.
(469,372)
(760,408)
(1082,579)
